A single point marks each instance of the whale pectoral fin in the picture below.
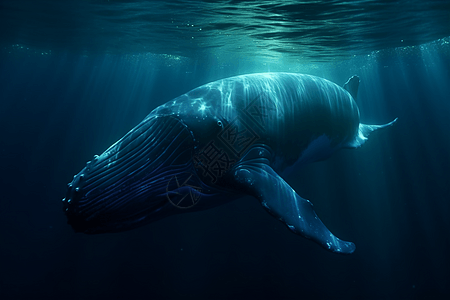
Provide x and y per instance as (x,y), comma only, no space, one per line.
(262,182)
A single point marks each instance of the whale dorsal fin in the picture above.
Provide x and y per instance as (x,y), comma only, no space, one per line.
(352,85)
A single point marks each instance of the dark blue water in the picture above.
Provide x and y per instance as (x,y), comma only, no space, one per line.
(299,31)
(391,197)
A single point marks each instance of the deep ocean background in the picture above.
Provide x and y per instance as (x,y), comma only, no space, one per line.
(391,197)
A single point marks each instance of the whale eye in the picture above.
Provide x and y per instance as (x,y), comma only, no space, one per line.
(219,123)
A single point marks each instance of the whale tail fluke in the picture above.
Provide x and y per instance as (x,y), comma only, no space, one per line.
(364,132)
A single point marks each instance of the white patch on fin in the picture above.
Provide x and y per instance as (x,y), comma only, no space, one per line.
(364,132)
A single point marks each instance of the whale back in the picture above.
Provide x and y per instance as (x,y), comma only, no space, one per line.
(284,111)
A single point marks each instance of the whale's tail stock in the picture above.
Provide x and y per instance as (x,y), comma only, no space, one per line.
(364,130)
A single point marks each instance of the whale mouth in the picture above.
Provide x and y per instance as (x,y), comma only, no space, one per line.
(126,186)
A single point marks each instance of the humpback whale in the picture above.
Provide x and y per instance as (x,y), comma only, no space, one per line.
(219,142)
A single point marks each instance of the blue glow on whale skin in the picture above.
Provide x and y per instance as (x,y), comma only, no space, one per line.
(219,142)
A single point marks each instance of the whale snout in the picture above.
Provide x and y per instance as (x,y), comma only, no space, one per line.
(71,203)
(99,191)
(83,201)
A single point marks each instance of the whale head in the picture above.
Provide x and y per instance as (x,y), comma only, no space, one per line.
(127,184)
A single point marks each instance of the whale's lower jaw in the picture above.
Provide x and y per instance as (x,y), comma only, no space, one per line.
(126,186)
(145,201)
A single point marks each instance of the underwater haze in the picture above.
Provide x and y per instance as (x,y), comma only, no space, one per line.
(76,76)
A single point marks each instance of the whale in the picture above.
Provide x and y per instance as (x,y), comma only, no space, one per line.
(225,140)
